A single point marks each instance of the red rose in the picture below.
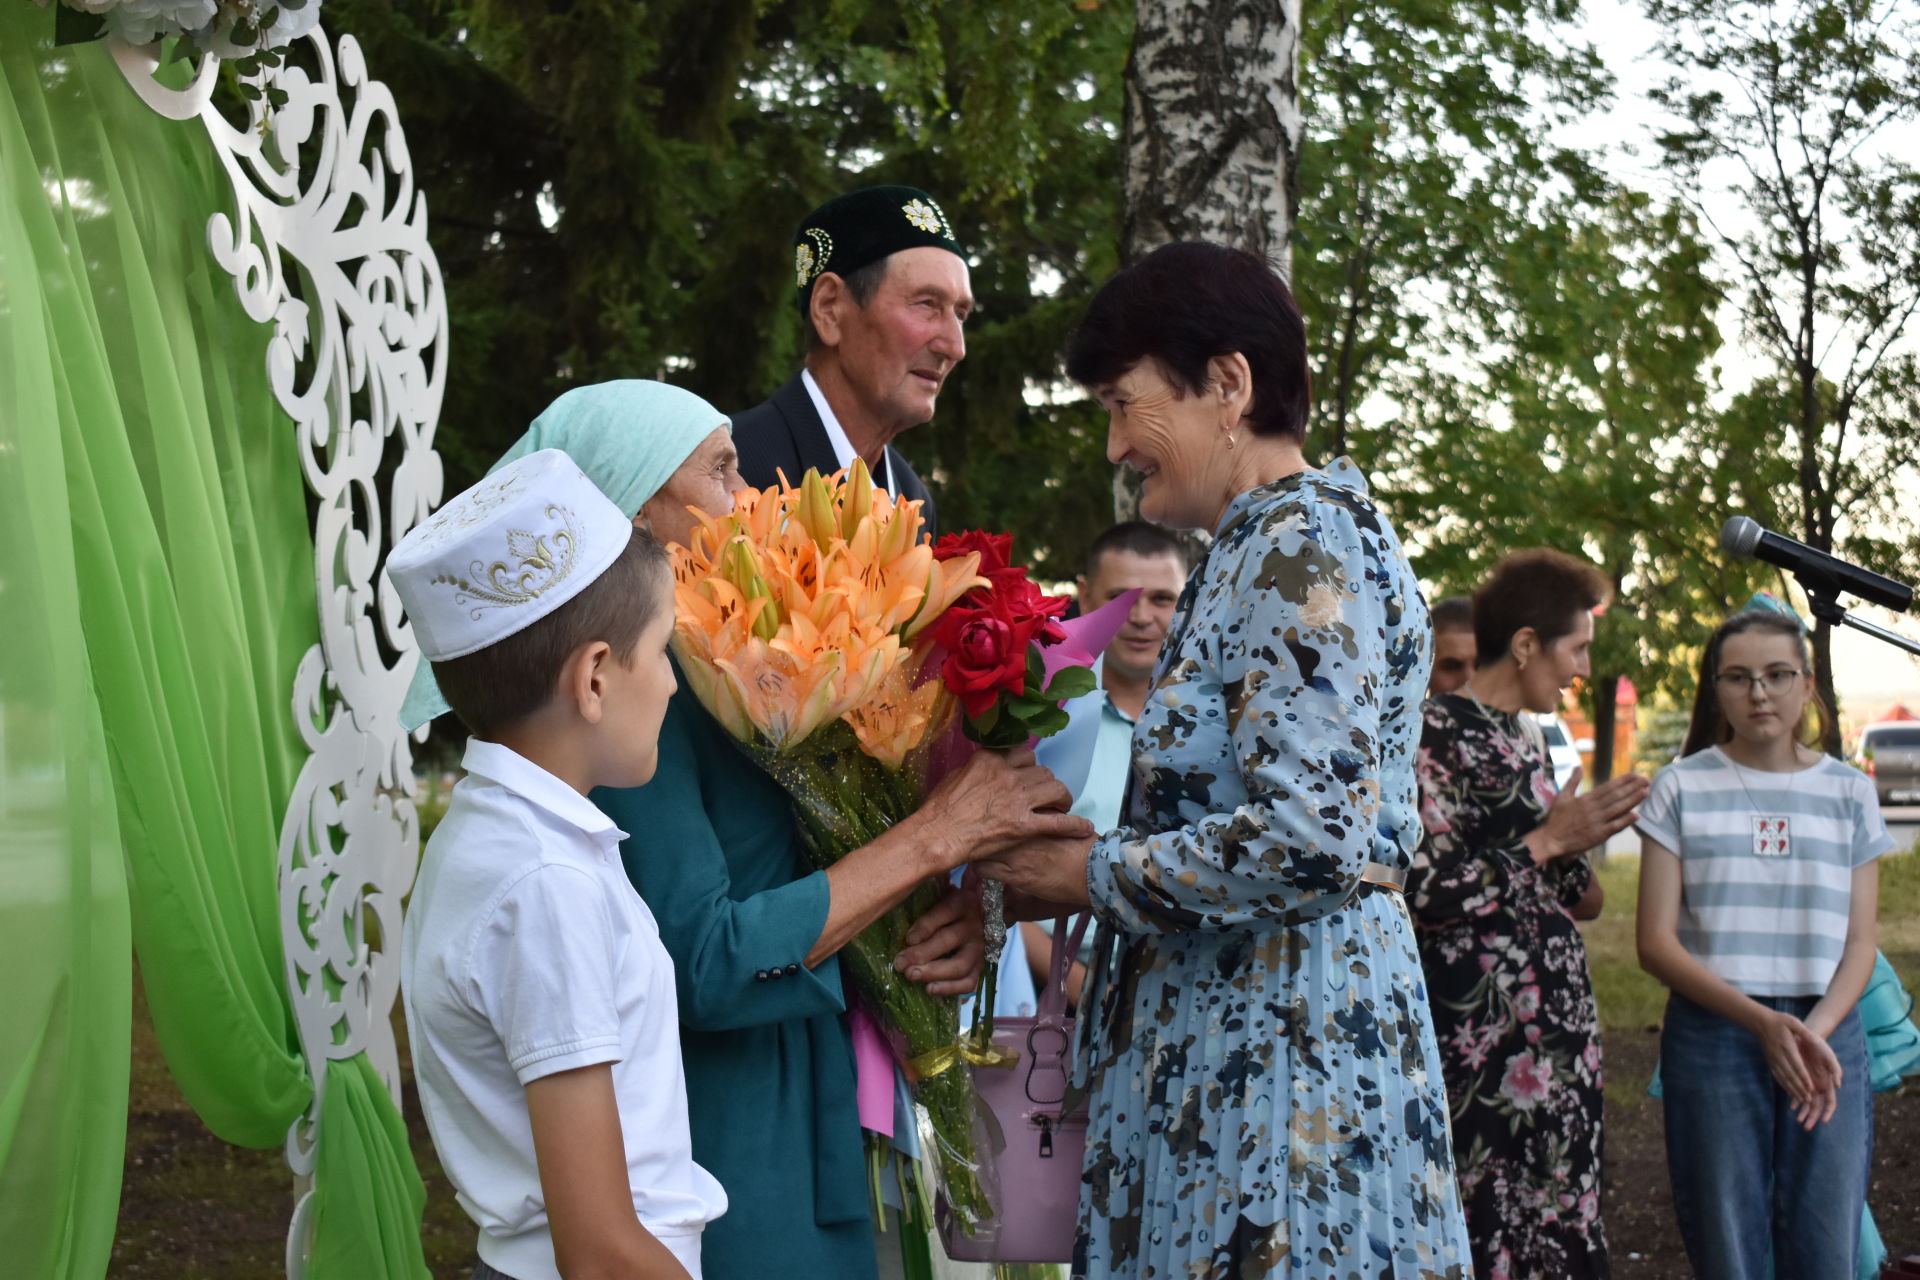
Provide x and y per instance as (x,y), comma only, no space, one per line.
(986,654)
(1020,600)
(996,549)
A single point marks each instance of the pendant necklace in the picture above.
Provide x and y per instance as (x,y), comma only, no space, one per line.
(1771,833)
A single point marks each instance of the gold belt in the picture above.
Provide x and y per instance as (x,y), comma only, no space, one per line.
(1382,876)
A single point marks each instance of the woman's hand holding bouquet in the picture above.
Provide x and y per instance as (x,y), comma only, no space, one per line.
(856,664)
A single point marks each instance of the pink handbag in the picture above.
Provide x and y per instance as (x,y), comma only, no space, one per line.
(1040,1143)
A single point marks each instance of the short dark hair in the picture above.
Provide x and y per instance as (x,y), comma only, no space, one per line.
(1137,537)
(861,286)
(495,688)
(1185,303)
(1455,613)
(1539,588)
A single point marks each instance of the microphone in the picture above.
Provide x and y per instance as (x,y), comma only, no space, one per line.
(1818,572)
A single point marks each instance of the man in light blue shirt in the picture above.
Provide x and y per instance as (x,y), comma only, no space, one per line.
(1129,555)
(1134,554)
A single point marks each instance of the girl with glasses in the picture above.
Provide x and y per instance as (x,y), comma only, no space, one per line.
(1758,888)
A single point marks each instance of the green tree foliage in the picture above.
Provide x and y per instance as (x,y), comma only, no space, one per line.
(1520,350)
(1573,411)
(1424,119)
(613,187)
(1793,130)
(1662,732)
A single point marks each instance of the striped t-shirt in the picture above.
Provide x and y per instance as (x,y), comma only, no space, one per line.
(1767,867)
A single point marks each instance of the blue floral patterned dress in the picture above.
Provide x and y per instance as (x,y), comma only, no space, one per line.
(1266,1097)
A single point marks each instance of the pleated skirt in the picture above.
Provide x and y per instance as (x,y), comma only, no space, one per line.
(1268,1103)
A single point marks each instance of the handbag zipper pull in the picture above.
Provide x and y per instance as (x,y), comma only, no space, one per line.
(1046,1138)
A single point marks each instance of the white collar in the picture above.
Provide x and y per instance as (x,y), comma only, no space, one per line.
(509,769)
(837,435)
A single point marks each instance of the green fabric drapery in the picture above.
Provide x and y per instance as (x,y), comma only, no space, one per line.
(157,590)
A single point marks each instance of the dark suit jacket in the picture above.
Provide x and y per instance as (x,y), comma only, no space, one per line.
(784,433)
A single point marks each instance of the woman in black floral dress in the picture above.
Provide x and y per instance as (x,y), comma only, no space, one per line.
(1494,887)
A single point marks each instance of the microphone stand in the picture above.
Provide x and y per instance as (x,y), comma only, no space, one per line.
(1823,600)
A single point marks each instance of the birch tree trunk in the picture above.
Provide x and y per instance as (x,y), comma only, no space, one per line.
(1212,135)
(1213,126)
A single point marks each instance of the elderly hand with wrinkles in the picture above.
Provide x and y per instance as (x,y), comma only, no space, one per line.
(994,802)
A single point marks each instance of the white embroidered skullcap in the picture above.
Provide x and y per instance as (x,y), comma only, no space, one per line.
(505,554)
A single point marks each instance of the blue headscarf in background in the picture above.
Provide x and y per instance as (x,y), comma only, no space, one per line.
(628,436)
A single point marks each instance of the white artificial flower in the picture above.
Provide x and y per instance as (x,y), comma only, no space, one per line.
(291,25)
(139,22)
(288,25)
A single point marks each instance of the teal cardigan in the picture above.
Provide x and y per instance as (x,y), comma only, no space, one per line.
(714,851)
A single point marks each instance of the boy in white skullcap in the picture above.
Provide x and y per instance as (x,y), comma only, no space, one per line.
(540,1002)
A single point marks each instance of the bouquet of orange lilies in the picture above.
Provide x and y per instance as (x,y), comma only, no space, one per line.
(805,626)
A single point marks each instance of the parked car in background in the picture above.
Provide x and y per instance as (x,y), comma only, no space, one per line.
(1560,749)
(1890,755)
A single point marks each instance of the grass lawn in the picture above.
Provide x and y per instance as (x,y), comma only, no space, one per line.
(1630,1002)
(1900,915)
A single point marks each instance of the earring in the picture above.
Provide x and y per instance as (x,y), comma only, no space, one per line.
(1229,439)
(1523,664)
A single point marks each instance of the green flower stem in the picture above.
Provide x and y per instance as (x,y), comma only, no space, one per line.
(845,799)
(982,1033)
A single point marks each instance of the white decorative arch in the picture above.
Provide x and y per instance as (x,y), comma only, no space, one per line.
(328,243)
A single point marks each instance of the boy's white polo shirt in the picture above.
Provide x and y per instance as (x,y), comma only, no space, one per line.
(527,952)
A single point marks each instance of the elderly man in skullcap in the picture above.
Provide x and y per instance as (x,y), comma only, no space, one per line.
(883,288)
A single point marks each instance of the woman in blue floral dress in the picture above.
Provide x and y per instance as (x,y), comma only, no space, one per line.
(1266,1096)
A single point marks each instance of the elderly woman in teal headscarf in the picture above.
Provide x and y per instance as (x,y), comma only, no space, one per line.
(654,449)
(752,929)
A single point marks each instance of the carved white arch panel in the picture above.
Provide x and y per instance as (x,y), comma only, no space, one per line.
(328,244)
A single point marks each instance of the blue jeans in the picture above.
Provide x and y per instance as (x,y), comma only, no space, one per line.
(1746,1176)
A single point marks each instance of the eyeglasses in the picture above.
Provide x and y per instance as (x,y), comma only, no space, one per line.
(1775,680)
